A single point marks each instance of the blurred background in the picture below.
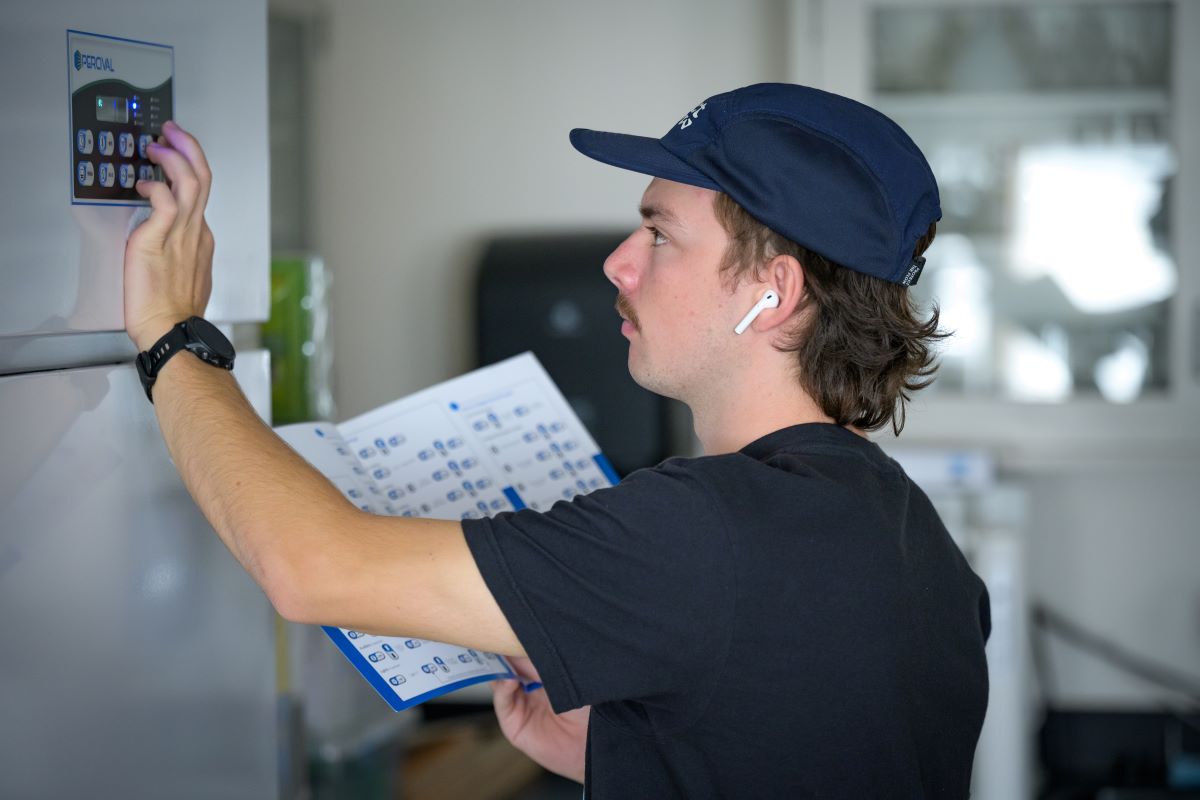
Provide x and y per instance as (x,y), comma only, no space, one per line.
(413,142)
(427,215)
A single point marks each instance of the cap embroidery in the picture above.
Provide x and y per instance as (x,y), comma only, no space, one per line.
(691,115)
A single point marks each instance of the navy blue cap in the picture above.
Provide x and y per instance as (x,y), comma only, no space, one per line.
(825,171)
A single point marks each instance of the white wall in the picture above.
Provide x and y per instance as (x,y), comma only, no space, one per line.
(1116,548)
(436,122)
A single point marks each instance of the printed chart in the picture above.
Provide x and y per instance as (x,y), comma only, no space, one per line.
(501,438)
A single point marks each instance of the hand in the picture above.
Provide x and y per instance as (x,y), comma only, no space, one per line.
(168,259)
(556,741)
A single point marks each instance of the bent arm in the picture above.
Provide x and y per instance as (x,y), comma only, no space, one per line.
(318,558)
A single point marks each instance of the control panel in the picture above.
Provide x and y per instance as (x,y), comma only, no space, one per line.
(121,94)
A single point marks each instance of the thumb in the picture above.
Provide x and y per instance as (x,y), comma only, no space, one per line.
(162,209)
(523,667)
(506,695)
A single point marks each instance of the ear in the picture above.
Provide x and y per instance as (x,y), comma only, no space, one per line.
(785,275)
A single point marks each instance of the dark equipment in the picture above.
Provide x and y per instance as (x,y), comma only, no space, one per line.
(548,294)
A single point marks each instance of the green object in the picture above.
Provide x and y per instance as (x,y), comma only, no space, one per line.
(297,336)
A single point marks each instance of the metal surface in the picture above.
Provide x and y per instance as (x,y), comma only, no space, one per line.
(63,351)
(138,656)
(61,265)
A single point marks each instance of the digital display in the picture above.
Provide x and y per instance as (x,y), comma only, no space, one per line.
(112,109)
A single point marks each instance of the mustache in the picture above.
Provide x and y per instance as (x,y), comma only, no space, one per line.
(626,310)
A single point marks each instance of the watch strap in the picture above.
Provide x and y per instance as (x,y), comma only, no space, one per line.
(181,337)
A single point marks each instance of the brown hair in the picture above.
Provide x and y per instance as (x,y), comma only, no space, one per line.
(861,346)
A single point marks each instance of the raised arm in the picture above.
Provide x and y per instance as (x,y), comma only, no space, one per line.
(317,557)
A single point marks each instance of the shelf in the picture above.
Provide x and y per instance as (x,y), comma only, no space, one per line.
(1022,104)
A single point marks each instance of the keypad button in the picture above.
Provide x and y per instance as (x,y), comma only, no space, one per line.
(126,175)
(144,140)
(125,145)
(86,173)
(106,143)
(107,174)
(145,172)
(83,141)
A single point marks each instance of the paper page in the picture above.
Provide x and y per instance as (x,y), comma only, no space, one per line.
(498,439)
(405,672)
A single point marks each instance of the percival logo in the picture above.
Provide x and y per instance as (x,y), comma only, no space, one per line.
(83,60)
(691,115)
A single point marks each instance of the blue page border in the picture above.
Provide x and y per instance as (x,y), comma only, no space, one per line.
(386,690)
(607,468)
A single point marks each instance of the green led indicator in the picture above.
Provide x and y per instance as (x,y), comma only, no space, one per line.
(100,102)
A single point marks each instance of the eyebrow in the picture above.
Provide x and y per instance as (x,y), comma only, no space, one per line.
(652,212)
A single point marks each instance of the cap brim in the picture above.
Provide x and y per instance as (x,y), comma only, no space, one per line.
(639,154)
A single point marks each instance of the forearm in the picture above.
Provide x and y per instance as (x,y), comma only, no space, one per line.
(264,501)
(319,558)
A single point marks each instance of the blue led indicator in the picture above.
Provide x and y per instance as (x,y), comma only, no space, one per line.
(135,106)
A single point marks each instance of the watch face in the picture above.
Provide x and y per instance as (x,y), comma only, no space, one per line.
(211,336)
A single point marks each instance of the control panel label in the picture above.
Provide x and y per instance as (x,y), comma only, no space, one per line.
(121,93)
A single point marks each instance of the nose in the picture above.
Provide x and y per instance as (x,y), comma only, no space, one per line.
(622,267)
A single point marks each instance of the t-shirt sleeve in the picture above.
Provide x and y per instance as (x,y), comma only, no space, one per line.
(622,594)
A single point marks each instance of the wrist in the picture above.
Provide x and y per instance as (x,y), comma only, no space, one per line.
(195,335)
(149,332)
(144,342)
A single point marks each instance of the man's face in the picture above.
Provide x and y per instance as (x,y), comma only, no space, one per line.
(679,317)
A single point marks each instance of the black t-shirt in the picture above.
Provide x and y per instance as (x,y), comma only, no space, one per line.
(791,620)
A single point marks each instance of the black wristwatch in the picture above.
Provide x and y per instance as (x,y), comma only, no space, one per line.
(195,334)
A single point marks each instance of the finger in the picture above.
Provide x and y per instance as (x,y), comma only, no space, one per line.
(186,144)
(524,667)
(184,184)
(204,287)
(162,208)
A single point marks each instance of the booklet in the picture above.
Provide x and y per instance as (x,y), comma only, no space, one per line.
(501,438)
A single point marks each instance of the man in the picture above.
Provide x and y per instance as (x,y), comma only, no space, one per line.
(783,617)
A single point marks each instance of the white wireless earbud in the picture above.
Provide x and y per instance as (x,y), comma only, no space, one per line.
(769,300)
